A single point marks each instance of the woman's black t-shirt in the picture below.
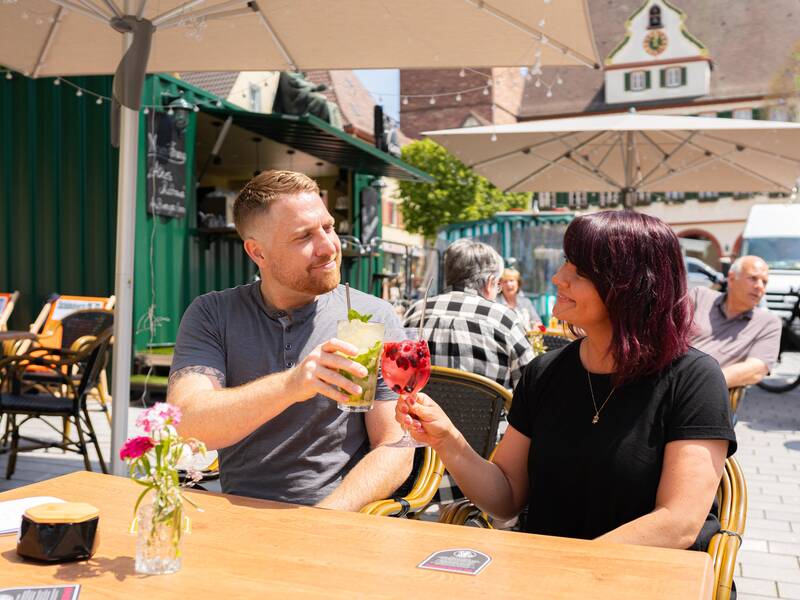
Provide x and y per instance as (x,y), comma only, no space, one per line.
(587,479)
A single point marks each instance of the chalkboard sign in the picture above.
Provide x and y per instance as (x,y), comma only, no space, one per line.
(166,166)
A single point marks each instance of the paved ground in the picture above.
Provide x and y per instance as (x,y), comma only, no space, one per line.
(769,452)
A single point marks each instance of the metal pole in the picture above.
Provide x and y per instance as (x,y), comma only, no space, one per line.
(123,275)
(630,193)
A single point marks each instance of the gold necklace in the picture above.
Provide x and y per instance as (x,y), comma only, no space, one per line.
(596,416)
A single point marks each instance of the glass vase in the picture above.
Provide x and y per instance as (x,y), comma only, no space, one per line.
(158,543)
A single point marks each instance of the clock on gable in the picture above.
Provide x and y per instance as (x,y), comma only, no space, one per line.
(655,42)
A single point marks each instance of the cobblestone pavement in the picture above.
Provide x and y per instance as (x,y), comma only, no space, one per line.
(768,429)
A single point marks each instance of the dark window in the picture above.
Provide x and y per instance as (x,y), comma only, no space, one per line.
(655,18)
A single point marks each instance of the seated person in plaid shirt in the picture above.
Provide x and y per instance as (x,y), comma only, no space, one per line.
(465,328)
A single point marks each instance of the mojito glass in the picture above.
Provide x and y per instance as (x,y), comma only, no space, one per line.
(368,338)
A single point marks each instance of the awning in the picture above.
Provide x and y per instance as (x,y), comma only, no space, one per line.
(314,136)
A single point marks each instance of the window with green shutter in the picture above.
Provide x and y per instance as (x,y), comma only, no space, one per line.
(627,82)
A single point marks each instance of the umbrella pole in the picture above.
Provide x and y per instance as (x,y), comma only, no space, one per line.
(123,278)
(630,192)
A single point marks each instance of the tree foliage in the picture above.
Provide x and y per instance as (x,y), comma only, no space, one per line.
(458,194)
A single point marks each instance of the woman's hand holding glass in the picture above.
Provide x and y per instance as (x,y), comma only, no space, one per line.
(425,420)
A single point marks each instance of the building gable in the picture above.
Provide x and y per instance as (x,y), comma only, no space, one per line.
(658,58)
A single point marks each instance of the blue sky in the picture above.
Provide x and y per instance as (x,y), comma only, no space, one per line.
(384,85)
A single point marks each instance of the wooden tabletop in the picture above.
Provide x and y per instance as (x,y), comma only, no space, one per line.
(241,548)
(6,336)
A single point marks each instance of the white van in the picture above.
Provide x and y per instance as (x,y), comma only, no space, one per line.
(772,232)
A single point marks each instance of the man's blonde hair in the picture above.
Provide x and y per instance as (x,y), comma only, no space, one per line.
(262,190)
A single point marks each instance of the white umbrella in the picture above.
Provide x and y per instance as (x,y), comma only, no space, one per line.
(630,153)
(72,37)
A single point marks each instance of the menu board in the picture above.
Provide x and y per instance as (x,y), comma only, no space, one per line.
(166,165)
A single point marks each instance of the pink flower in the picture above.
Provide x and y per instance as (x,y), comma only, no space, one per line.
(135,447)
(158,417)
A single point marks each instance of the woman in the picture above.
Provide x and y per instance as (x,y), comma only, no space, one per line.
(621,435)
(511,295)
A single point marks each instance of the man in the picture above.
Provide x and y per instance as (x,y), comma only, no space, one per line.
(256,367)
(730,327)
(465,328)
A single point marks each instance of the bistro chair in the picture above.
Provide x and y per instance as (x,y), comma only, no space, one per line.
(472,402)
(416,493)
(736,395)
(22,400)
(74,331)
(724,546)
(554,341)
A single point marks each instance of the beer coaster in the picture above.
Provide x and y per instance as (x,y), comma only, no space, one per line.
(457,560)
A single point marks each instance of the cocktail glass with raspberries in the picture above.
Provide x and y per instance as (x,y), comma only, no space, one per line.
(405,368)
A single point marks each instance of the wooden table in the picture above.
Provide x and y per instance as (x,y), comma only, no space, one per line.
(243,548)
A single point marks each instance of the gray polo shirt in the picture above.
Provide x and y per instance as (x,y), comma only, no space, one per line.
(752,334)
(302,454)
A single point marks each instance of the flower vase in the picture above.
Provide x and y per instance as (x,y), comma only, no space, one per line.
(158,543)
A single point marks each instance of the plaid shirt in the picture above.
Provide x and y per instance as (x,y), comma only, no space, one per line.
(467,332)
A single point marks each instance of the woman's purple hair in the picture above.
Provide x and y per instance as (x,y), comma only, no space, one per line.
(635,263)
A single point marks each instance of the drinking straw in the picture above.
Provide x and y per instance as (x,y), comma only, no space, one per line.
(424,304)
(347,297)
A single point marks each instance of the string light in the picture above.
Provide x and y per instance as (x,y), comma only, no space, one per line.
(432,100)
(538,83)
(146,110)
(486,91)
(9,75)
(57,81)
(458,97)
(79,93)
(405,99)
(494,137)
(462,72)
(170,111)
(98,101)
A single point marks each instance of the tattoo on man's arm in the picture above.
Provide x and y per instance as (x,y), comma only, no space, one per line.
(215,375)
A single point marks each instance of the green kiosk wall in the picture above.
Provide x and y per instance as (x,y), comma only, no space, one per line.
(58,195)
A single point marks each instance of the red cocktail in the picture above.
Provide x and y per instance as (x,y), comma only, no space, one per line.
(406,368)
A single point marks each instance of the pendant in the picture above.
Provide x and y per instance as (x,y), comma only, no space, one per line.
(595,419)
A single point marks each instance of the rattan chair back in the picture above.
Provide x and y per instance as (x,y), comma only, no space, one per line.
(724,546)
(472,402)
(82,323)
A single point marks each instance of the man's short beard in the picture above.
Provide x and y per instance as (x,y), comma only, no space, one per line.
(306,282)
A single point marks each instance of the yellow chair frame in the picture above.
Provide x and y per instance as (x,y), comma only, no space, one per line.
(736,395)
(420,496)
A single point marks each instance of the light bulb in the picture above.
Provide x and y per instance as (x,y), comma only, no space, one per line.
(146,110)
(549,93)
(432,100)
(462,73)
(196,109)
(486,91)
(98,101)
(170,111)
(405,100)
(538,83)
(9,75)
(57,81)
(488,83)
(559,81)
(79,93)
(458,97)
(494,137)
